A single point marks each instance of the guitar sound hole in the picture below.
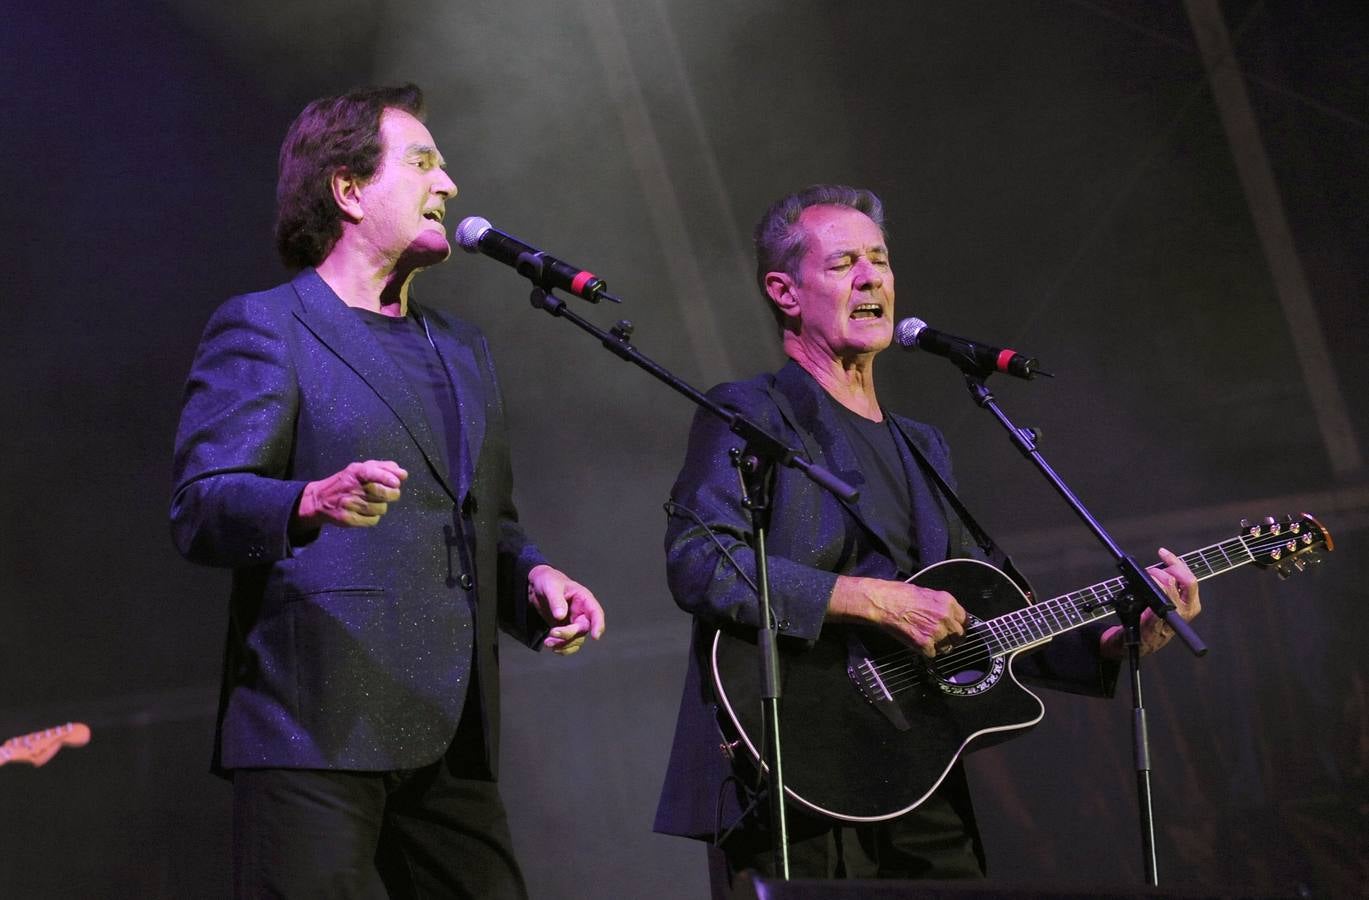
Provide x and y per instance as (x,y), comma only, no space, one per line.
(965,676)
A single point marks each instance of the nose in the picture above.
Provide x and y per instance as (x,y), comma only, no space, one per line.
(867,275)
(443,186)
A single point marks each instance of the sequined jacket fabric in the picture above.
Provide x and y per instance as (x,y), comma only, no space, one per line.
(352,649)
(813,538)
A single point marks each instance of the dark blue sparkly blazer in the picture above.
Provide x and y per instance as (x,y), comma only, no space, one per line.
(352,649)
(813,538)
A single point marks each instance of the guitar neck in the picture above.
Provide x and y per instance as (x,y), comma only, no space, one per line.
(1042,621)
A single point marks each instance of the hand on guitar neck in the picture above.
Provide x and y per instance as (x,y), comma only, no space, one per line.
(1180,585)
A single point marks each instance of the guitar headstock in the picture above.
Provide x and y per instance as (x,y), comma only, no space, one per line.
(40,746)
(1287,545)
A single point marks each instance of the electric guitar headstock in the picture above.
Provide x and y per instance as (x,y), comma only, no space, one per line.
(40,746)
(1286,545)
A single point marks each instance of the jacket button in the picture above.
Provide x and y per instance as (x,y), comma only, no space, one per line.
(466,581)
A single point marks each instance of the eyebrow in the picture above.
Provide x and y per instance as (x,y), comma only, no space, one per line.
(426,150)
(841,254)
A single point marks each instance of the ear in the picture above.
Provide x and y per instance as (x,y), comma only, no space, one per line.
(780,287)
(346,190)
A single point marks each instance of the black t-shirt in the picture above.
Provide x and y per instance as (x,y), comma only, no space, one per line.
(885,495)
(406,343)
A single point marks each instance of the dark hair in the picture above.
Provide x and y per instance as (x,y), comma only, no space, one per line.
(331,133)
(781,243)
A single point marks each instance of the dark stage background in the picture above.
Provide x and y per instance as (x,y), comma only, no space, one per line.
(1165,202)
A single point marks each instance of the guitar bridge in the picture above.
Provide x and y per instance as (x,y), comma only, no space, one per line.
(868,681)
(865,674)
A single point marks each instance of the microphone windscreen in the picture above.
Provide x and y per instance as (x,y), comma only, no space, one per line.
(470,230)
(906,332)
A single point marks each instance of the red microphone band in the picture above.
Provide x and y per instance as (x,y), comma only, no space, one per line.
(578,283)
(1005,357)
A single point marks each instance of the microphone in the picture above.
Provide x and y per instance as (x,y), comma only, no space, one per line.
(913,334)
(477,235)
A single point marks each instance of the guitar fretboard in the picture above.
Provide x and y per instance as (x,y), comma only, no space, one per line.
(1040,621)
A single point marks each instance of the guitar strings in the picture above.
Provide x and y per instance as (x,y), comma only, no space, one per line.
(906,668)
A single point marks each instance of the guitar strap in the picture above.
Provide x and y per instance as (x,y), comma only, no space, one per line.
(779,396)
(981,537)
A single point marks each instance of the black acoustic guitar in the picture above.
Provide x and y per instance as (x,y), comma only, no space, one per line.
(870,727)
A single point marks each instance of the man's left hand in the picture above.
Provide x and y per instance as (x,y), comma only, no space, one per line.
(568,607)
(1181,587)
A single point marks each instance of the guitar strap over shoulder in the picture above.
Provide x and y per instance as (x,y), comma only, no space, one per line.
(991,550)
(981,537)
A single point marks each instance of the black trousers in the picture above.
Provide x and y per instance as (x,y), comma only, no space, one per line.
(938,840)
(436,832)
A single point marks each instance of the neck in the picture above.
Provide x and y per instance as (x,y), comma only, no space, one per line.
(850,382)
(364,283)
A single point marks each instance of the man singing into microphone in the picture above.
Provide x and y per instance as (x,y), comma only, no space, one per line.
(342,449)
(823,268)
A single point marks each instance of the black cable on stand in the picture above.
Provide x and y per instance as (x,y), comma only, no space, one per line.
(756,463)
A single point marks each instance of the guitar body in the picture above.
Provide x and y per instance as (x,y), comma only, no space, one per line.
(864,742)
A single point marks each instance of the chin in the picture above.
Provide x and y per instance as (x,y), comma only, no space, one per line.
(428,249)
(874,343)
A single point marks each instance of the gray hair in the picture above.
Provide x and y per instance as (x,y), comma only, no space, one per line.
(781,243)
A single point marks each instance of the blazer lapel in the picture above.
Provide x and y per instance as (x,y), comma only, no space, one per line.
(802,400)
(329,319)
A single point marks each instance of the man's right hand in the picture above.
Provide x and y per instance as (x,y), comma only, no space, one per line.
(932,621)
(356,497)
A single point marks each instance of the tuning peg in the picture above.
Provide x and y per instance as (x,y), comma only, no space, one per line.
(1274,526)
(1245,523)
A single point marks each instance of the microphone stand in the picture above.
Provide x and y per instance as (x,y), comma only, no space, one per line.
(756,463)
(1141,592)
